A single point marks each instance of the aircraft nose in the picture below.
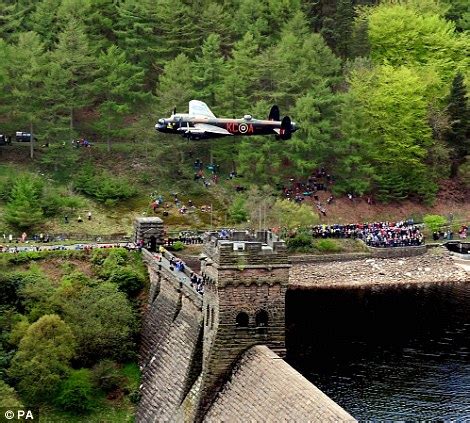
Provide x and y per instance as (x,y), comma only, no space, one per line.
(160,125)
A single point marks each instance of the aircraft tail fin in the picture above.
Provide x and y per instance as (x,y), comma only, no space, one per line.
(274,114)
(286,128)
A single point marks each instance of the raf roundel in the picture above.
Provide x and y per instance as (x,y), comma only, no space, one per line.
(243,128)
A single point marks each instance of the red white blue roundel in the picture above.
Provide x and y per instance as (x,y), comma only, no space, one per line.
(243,128)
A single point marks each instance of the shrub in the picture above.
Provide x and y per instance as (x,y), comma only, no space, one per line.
(98,256)
(302,242)
(107,376)
(328,246)
(434,222)
(237,211)
(128,280)
(77,393)
(103,186)
(177,246)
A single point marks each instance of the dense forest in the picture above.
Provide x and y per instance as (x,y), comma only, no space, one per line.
(378,88)
(70,323)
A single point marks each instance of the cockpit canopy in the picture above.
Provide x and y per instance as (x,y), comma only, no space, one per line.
(247,117)
(161,121)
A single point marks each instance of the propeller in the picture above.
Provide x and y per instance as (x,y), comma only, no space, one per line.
(286,128)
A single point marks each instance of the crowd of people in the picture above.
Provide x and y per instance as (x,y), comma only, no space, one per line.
(158,202)
(186,237)
(85,247)
(377,234)
(177,265)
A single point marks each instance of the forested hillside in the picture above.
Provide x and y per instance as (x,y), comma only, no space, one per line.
(378,88)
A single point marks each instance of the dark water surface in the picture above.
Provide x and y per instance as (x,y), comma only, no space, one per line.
(385,354)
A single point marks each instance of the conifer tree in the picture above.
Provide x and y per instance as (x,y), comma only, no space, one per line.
(118,84)
(72,69)
(26,67)
(23,208)
(344,18)
(44,21)
(14,18)
(240,77)
(209,67)
(459,129)
(176,84)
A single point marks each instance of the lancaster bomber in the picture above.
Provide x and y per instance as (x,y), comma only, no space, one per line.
(201,123)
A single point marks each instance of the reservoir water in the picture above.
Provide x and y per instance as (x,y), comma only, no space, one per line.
(385,354)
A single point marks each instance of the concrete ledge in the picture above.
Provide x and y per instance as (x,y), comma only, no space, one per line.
(373,252)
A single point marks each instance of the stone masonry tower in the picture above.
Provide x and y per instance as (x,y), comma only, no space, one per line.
(246,279)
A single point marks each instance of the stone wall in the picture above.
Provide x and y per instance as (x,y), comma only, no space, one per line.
(264,388)
(171,355)
(244,277)
(371,253)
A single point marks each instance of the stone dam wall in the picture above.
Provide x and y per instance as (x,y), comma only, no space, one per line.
(171,349)
(172,385)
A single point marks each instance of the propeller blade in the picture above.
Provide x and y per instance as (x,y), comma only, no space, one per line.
(286,128)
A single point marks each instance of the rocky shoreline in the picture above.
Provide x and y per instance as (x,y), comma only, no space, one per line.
(433,267)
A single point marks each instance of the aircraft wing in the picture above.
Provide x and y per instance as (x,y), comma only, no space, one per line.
(205,127)
(199,108)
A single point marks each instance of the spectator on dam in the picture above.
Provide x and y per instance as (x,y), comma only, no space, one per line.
(377,234)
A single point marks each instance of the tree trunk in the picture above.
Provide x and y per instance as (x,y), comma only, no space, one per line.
(31,141)
(108,138)
(71,126)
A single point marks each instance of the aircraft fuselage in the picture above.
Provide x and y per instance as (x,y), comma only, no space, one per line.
(183,124)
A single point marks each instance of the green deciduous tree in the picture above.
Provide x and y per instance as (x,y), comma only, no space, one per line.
(42,359)
(290,215)
(102,321)
(387,134)
(409,33)
(8,397)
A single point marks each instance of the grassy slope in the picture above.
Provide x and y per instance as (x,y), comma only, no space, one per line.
(165,166)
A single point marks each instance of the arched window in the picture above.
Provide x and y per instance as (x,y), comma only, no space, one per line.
(212,318)
(207,316)
(261,318)
(242,320)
